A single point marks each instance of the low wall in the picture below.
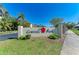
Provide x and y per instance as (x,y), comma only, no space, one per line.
(23,31)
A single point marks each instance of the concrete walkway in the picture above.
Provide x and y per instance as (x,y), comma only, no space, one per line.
(71,44)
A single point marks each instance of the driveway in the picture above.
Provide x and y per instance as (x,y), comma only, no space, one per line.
(71,44)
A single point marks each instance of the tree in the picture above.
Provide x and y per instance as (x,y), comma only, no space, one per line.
(14,25)
(20,19)
(56,21)
(69,25)
(8,23)
(26,24)
(5,22)
(5,25)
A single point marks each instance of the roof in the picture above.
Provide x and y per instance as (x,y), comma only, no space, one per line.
(77,25)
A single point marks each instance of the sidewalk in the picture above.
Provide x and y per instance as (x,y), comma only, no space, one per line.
(71,44)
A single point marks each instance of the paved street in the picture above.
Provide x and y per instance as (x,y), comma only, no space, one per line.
(71,44)
(7,36)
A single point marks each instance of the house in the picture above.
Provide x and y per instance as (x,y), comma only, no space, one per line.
(77,26)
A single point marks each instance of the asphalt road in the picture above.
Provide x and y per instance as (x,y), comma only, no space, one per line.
(8,36)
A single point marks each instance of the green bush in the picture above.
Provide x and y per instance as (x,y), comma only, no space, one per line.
(22,38)
(53,36)
(25,37)
(28,36)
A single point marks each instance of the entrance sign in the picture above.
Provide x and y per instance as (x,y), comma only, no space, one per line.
(61,29)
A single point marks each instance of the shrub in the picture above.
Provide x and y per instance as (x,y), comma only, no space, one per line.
(22,38)
(53,36)
(25,37)
(28,36)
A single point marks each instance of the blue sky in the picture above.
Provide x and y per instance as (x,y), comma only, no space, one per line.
(42,13)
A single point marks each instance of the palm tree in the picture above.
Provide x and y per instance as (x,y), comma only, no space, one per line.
(6,22)
(5,25)
(21,18)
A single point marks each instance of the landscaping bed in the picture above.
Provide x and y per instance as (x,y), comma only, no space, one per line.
(33,46)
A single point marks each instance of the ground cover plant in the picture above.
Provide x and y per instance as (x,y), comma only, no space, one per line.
(54,36)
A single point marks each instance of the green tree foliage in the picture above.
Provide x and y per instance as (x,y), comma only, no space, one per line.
(26,24)
(8,23)
(5,25)
(56,21)
(21,19)
(69,25)
(14,23)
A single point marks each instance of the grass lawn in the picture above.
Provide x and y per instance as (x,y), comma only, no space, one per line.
(33,46)
(75,31)
(7,32)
